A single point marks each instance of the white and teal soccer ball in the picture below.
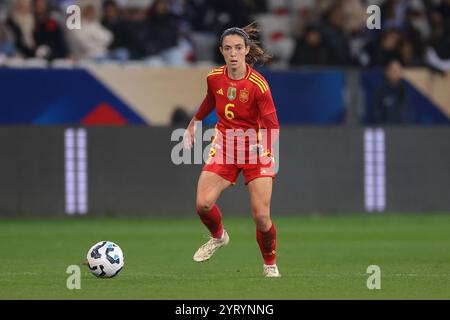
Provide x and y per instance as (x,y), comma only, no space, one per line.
(105,259)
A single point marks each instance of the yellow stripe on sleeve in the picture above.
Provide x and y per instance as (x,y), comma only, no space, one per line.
(257,83)
(262,82)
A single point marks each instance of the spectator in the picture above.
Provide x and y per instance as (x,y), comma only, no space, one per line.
(386,49)
(391,103)
(113,21)
(136,19)
(444,9)
(415,30)
(48,35)
(182,31)
(394,13)
(163,26)
(409,57)
(163,42)
(438,50)
(7,47)
(310,49)
(354,16)
(335,37)
(21,22)
(92,40)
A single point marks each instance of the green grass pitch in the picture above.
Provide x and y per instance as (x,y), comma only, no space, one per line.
(320,257)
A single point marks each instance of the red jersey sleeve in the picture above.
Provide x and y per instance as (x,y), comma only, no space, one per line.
(207,105)
(265,103)
(268,120)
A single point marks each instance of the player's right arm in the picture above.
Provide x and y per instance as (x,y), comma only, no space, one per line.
(205,109)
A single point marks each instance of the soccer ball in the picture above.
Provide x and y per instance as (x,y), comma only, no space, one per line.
(105,259)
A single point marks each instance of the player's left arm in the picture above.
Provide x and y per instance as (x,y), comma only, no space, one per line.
(268,121)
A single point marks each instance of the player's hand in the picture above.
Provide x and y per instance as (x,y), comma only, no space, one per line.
(189,134)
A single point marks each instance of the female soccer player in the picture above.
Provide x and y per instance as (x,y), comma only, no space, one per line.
(243,103)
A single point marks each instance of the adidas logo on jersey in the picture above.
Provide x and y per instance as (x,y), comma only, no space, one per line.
(220,91)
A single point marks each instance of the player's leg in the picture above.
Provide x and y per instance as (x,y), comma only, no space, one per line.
(210,186)
(260,196)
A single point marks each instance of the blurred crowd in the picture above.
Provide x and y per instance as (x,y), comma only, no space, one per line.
(180,32)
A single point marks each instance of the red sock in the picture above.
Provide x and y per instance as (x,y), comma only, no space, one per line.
(267,242)
(213,221)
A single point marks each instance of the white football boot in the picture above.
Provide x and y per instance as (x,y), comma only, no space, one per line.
(271,271)
(207,250)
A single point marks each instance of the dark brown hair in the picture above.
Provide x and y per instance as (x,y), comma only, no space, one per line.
(249,34)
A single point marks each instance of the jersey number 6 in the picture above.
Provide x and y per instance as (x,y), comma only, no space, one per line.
(228,113)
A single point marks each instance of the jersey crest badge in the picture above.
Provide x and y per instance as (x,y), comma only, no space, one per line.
(231,93)
(243,95)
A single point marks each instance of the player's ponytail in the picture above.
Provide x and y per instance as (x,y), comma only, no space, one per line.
(256,55)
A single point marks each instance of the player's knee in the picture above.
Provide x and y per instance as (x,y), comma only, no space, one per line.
(260,208)
(262,220)
(204,206)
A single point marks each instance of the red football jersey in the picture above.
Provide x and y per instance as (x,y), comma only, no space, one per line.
(240,104)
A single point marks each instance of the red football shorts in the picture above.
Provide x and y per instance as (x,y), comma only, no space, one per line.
(231,172)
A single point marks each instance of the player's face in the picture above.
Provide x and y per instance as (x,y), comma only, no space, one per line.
(234,50)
